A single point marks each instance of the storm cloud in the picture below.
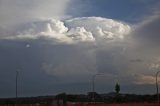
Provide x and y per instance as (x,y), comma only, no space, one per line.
(54,54)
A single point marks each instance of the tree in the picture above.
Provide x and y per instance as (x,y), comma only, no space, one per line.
(117,88)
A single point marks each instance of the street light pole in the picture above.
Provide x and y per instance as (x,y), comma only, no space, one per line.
(17,87)
(93,85)
(157,87)
(93,78)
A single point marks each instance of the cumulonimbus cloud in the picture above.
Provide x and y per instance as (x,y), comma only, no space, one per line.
(86,33)
(90,45)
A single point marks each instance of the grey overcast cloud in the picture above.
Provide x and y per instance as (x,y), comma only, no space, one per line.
(58,45)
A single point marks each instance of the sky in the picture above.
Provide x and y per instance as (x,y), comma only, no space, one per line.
(59,45)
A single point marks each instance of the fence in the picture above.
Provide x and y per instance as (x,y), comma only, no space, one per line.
(113,104)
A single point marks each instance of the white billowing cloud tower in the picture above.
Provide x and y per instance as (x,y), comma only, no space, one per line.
(85,29)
